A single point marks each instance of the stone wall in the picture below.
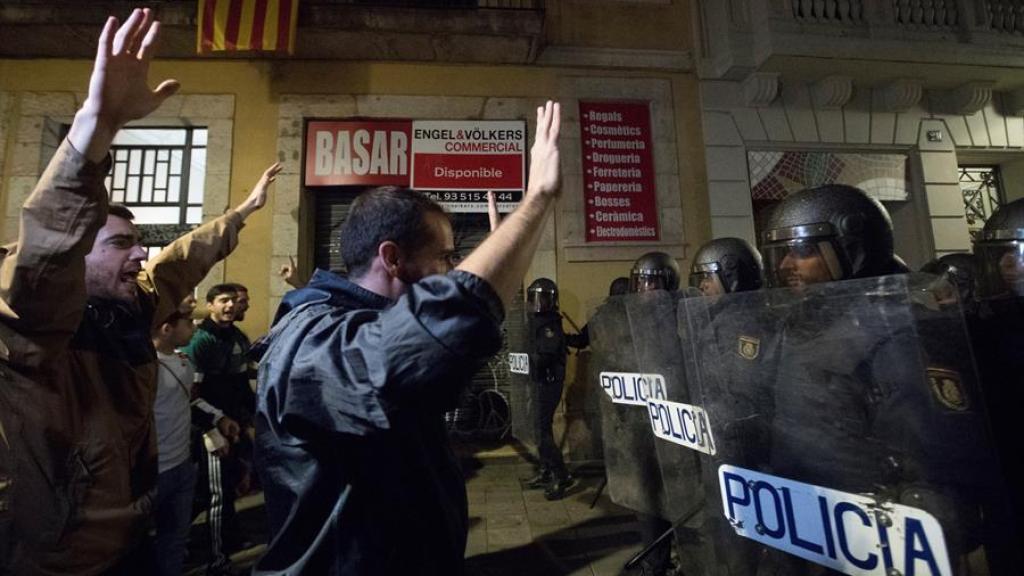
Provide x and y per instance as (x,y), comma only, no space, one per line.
(36,118)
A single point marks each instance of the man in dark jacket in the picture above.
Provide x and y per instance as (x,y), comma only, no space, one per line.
(358,474)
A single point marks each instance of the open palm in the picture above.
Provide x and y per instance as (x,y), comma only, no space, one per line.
(119,88)
(544,160)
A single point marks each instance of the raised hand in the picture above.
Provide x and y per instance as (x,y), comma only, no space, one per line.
(492,211)
(290,274)
(119,86)
(258,197)
(544,163)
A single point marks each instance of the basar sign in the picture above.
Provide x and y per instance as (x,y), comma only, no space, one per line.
(852,533)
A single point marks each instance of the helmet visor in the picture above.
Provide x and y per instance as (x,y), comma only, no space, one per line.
(709,283)
(543,301)
(646,282)
(801,262)
(1002,269)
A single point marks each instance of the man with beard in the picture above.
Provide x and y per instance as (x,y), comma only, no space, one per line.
(357,470)
(859,403)
(87,431)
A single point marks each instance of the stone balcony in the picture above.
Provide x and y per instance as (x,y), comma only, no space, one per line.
(465,31)
(740,36)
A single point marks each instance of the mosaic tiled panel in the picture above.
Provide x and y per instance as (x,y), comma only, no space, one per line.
(775,174)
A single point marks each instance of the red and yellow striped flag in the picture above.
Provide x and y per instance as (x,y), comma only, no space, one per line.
(243,25)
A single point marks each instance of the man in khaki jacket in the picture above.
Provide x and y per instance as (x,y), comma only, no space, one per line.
(78,451)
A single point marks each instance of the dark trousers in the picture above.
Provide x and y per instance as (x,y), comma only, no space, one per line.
(548,393)
(216,493)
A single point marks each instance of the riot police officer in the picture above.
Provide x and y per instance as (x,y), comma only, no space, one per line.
(1000,250)
(999,334)
(735,338)
(654,271)
(547,349)
(862,401)
(725,266)
(959,271)
(834,232)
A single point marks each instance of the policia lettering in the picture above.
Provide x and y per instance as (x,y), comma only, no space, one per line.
(682,424)
(847,532)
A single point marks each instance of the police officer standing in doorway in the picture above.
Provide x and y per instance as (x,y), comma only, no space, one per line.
(547,345)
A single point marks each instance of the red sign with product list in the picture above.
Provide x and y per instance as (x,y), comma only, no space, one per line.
(618,172)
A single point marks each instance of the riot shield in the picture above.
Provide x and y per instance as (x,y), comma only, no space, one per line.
(522,389)
(849,433)
(631,467)
(652,322)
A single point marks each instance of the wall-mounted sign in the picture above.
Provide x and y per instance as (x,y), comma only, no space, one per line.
(618,172)
(453,161)
(358,153)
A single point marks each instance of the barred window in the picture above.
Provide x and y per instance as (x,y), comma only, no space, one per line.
(159,174)
(982,190)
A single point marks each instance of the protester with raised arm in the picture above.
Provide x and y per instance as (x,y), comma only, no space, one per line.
(358,473)
(77,309)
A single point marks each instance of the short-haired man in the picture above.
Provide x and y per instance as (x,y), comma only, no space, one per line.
(220,352)
(241,301)
(358,474)
(87,430)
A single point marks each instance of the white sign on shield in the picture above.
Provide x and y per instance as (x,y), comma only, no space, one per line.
(519,363)
(632,389)
(681,424)
(852,533)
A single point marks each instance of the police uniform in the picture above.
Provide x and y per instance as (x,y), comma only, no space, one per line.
(547,371)
(737,339)
(871,397)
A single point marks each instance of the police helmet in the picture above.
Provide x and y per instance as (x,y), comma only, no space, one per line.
(542,295)
(724,266)
(654,271)
(959,270)
(619,286)
(1000,251)
(833,232)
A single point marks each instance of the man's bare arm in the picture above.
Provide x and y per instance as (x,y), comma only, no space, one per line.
(505,255)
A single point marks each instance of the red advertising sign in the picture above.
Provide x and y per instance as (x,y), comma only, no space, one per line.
(618,172)
(456,161)
(357,153)
(453,161)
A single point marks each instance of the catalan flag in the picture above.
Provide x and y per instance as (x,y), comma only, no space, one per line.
(247,25)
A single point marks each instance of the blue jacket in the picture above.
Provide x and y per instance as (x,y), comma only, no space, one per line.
(358,473)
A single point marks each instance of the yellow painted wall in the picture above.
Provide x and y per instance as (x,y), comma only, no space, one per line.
(256,86)
(254,148)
